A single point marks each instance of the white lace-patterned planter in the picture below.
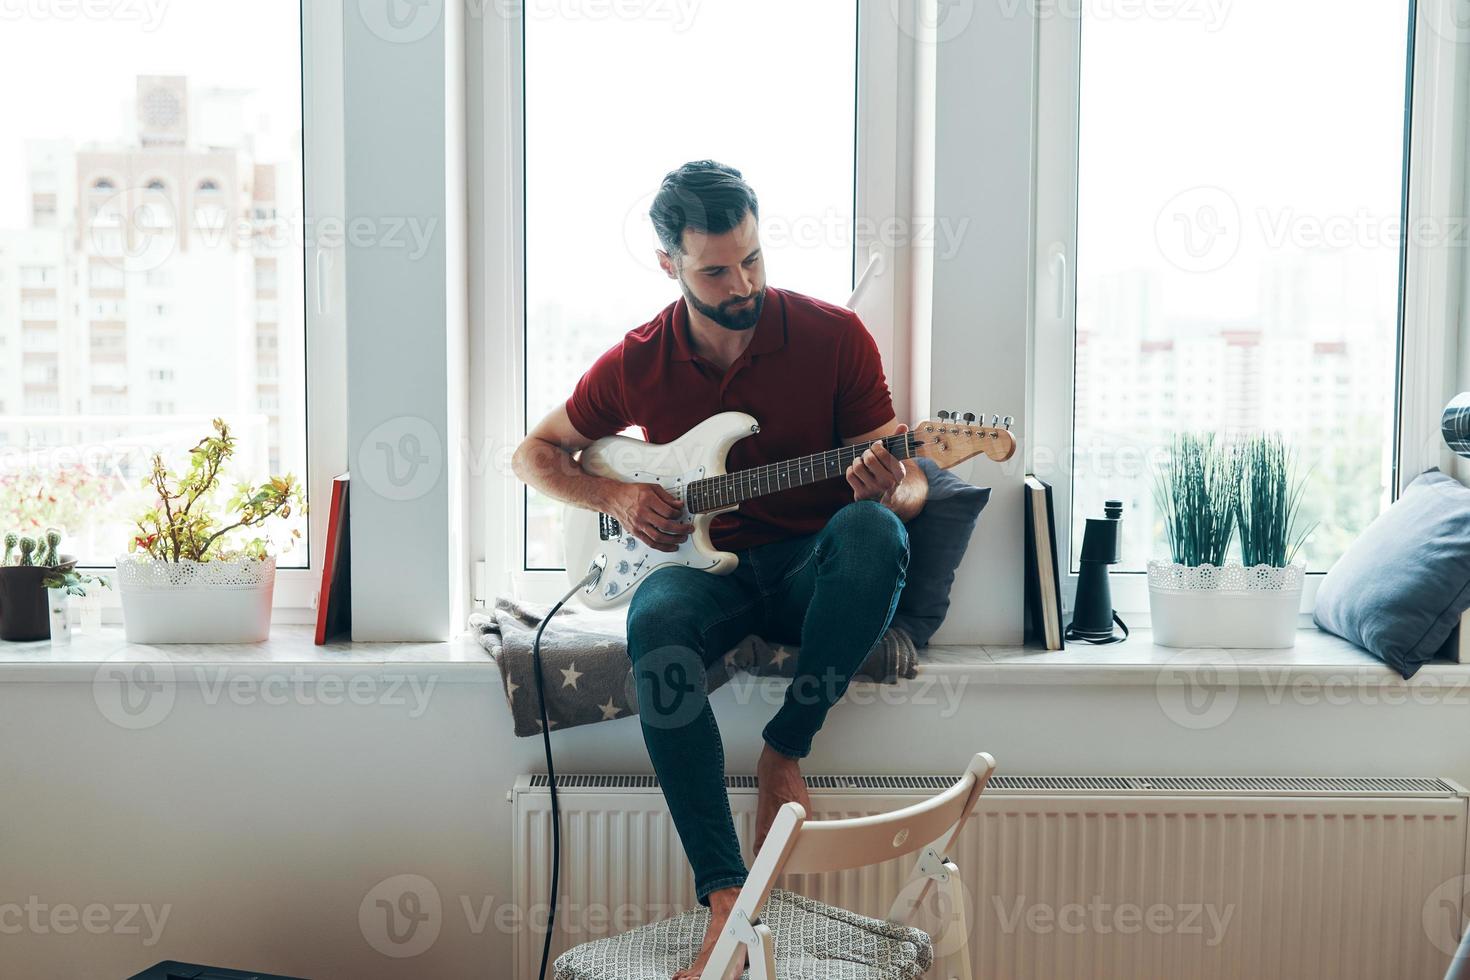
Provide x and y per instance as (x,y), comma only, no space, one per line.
(196,602)
(1224,605)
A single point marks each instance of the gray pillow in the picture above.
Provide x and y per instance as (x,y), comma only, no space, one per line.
(938,538)
(1404,583)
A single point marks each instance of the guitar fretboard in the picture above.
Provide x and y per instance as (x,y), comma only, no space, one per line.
(730,489)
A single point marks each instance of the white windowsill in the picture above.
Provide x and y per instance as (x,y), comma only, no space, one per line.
(289,649)
(1323,658)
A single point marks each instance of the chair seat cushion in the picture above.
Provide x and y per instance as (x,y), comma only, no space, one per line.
(814,941)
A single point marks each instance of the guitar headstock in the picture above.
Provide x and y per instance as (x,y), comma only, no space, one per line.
(952,438)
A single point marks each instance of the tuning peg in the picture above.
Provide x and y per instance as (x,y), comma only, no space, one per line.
(969,417)
(943,415)
(1006,422)
(994,421)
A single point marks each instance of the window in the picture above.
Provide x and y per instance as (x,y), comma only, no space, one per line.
(36,338)
(187,139)
(105,275)
(1237,250)
(38,309)
(265,276)
(37,276)
(605,122)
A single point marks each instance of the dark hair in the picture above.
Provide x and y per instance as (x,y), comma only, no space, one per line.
(704,195)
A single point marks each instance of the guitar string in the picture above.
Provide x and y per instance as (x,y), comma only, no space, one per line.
(730,488)
(712,493)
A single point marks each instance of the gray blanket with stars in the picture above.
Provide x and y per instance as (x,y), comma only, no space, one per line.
(587,674)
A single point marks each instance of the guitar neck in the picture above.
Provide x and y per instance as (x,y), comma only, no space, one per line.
(731,489)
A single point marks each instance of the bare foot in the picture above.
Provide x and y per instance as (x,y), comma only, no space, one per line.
(778,781)
(721,901)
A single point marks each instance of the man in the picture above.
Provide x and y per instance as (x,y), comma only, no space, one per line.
(820,565)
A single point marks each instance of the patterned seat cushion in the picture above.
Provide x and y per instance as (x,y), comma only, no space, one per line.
(814,941)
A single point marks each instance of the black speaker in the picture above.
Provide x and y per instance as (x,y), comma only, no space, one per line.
(1092,611)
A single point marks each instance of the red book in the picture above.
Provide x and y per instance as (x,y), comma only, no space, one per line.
(334,601)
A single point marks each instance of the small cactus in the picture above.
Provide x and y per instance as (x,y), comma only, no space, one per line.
(12,539)
(52,556)
(27,550)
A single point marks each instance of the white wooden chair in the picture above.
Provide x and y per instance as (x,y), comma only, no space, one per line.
(796,845)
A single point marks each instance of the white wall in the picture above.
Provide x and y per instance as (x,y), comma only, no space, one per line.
(399,319)
(263,825)
(976,351)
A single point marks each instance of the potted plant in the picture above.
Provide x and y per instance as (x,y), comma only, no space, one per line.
(60,585)
(191,576)
(1208,491)
(28,563)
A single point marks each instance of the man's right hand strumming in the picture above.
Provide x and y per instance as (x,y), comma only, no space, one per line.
(655,516)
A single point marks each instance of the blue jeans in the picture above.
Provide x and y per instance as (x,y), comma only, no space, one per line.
(832,592)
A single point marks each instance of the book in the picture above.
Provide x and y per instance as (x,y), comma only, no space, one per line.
(1460,641)
(334,601)
(1043,574)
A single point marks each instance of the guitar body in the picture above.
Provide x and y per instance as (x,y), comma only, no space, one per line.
(697,454)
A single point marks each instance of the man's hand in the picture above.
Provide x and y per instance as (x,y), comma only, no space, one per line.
(876,474)
(649,512)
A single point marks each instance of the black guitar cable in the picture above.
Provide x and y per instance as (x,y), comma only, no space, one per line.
(593,574)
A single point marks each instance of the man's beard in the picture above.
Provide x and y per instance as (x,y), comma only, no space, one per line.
(728,314)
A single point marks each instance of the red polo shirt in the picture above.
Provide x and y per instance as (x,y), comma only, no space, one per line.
(811,377)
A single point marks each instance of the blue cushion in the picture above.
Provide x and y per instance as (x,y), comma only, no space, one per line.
(938,538)
(1404,583)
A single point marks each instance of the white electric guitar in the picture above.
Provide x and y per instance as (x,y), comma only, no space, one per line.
(692,468)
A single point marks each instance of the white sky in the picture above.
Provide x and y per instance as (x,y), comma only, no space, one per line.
(73,77)
(1291,106)
(765,86)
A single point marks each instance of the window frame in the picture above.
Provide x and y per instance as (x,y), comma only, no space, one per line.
(881,190)
(294,596)
(1430,278)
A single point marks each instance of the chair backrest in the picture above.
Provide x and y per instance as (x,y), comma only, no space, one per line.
(797,846)
(836,845)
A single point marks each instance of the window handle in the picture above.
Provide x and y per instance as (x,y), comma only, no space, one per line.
(1057,265)
(875,262)
(322,263)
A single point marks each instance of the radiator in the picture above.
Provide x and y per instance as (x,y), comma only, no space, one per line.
(1097,877)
